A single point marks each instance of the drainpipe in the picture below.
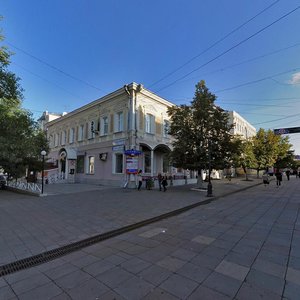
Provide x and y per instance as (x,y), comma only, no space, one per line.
(131,179)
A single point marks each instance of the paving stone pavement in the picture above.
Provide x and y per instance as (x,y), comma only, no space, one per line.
(245,245)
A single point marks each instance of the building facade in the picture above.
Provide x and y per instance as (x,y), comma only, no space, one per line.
(241,127)
(108,140)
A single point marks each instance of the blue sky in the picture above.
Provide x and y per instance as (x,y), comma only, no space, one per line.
(71,52)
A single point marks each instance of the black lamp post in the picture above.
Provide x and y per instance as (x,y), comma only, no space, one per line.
(43,153)
(209,185)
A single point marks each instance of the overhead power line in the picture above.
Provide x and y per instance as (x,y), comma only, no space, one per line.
(48,81)
(55,68)
(258,80)
(213,45)
(290,116)
(247,61)
(231,48)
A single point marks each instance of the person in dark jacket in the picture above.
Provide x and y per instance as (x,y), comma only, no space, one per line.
(164,182)
(278,175)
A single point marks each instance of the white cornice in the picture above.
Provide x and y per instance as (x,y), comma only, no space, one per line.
(132,86)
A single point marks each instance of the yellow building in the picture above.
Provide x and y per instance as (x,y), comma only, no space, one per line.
(108,140)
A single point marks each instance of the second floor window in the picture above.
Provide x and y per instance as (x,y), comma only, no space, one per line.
(91,129)
(104,126)
(119,121)
(150,122)
(63,138)
(71,136)
(80,133)
(166,128)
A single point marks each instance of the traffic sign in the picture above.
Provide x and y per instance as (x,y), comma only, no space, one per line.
(287,130)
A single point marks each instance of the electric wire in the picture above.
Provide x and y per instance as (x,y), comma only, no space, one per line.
(284,118)
(244,62)
(231,48)
(258,80)
(55,68)
(214,44)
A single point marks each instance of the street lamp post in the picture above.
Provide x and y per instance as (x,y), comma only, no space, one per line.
(209,185)
(43,153)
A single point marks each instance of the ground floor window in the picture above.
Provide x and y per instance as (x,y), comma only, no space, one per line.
(80,164)
(118,163)
(91,164)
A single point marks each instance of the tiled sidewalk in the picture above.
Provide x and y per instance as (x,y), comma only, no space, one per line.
(243,246)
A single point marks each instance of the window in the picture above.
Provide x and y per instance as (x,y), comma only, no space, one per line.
(150,121)
(63,138)
(91,129)
(71,136)
(119,122)
(55,140)
(80,164)
(166,128)
(147,164)
(104,126)
(91,164)
(80,133)
(118,163)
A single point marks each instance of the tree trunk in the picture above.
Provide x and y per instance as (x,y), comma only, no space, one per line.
(245,170)
(200,180)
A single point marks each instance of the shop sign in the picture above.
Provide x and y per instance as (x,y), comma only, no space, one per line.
(119,148)
(132,163)
(133,152)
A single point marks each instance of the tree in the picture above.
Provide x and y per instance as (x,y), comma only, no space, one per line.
(243,155)
(21,141)
(269,148)
(201,131)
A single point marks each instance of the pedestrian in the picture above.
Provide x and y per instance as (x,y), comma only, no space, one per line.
(278,175)
(140,179)
(265,178)
(288,172)
(164,182)
(159,178)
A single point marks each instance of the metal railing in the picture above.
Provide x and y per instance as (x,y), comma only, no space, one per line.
(25,186)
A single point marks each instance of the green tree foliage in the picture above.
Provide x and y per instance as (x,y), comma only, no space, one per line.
(269,149)
(199,129)
(243,155)
(20,139)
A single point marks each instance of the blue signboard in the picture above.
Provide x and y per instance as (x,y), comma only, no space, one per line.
(133,152)
(287,130)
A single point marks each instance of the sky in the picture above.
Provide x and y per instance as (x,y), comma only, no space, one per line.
(71,52)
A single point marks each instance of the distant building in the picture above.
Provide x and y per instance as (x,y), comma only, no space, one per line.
(241,127)
(48,117)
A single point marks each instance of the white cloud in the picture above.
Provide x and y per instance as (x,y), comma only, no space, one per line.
(295,78)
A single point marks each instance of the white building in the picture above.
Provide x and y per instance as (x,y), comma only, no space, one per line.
(241,127)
